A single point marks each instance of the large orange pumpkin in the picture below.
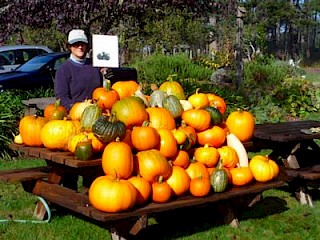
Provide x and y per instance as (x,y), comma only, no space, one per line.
(144,137)
(117,160)
(241,124)
(152,165)
(55,133)
(161,118)
(125,88)
(30,130)
(112,195)
(131,111)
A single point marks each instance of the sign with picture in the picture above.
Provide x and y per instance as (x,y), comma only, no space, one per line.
(105,51)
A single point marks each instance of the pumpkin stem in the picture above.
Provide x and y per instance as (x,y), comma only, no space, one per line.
(160,179)
(57,103)
(107,84)
(170,77)
(220,165)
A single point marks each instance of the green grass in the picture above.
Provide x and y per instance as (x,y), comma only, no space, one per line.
(277,216)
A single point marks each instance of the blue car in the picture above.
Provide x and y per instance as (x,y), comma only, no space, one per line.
(35,73)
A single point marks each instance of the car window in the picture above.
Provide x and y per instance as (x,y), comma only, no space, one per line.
(34,64)
(4,60)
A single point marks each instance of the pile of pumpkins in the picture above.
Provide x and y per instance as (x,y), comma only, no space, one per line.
(153,148)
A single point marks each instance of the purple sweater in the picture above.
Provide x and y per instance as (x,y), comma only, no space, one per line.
(75,82)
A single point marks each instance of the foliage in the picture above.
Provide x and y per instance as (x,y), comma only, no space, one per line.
(12,111)
(156,68)
(280,89)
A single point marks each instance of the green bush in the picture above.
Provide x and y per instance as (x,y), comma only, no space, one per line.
(156,68)
(12,112)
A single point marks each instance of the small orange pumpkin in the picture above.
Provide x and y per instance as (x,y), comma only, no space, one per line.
(181,158)
(214,137)
(117,160)
(241,176)
(143,189)
(167,145)
(209,156)
(179,181)
(228,156)
(161,191)
(199,119)
(197,169)
(105,96)
(200,187)
(217,102)
(198,100)
(161,118)
(55,111)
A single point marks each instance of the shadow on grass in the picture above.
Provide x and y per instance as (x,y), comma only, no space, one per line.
(187,221)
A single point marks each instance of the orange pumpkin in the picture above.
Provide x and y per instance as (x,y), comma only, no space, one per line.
(112,195)
(117,160)
(105,96)
(143,189)
(241,176)
(180,136)
(179,181)
(214,137)
(161,118)
(167,145)
(152,165)
(125,88)
(241,124)
(55,111)
(263,168)
(131,111)
(74,139)
(161,191)
(200,187)
(197,169)
(228,156)
(198,100)
(181,158)
(173,88)
(77,109)
(199,119)
(144,137)
(55,133)
(30,130)
(209,156)
(217,102)
(191,134)
(97,144)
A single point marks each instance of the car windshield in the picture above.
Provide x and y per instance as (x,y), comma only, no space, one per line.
(34,64)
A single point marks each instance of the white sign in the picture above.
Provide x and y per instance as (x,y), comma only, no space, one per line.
(105,51)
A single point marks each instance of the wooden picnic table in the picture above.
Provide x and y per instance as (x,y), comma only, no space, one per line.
(125,224)
(294,144)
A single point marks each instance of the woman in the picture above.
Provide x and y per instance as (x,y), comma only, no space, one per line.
(75,81)
(76,78)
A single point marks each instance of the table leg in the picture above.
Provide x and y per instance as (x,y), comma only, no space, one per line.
(291,161)
(40,210)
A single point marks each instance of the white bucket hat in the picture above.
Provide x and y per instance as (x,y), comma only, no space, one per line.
(77,35)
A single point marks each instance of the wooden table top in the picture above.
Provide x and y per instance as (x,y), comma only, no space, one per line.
(286,132)
(39,103)
(65,158)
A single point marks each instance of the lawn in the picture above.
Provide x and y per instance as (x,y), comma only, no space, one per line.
(277,216)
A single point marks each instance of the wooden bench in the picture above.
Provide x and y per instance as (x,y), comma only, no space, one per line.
(27,176)
(300,179)
(129,223)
